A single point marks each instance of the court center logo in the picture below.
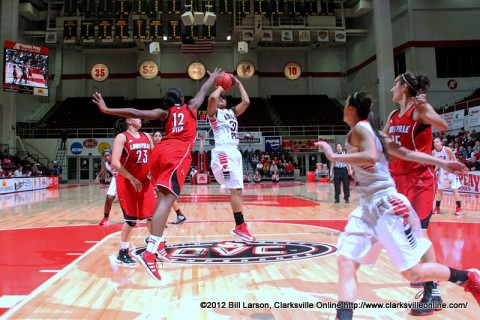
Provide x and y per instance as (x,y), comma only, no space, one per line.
(236,252)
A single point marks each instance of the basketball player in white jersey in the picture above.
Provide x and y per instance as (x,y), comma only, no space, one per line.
(446,179)
(385,218)
(226,158)
(112,189)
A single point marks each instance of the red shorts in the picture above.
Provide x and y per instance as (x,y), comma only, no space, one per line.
(170,163)
(140,205)
(419,188)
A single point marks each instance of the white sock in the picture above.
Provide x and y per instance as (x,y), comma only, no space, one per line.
(153,243)
(125,245)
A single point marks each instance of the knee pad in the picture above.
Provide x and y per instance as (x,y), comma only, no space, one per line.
(131,223)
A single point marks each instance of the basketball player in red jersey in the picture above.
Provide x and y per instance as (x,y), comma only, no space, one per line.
(170,161)
(157,137)
(411,127)
(130,157)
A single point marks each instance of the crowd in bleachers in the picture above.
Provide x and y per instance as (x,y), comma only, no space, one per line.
(465,145)
(15,167)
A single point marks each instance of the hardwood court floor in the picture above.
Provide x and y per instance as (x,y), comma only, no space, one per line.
(59,264)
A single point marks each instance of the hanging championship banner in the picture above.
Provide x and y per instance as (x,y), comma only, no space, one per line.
(174,31)
(87,29)
(104,9)
(139,7)
(156,29)
(121,29)
(70,30)
(226,6)
(105,29)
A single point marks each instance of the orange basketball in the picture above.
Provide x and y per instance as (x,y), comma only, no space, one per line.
(225,80)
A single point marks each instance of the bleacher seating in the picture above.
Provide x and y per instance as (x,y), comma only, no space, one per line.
(256,114)
(83,113)
(469,101)
(304,110)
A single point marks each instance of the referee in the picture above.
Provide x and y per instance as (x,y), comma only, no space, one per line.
(340,173)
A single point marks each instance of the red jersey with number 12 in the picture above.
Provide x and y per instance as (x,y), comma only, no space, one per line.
(412,135)
(135,155)
(181,124)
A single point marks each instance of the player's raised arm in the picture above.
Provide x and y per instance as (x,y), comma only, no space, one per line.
(197,101)
(128,112)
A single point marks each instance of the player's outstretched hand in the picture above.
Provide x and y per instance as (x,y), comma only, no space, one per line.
(215,73)
(455,167)
(98,100)
(326,148)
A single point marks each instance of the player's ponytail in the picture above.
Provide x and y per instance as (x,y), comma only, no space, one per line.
(417,83)
(364,106)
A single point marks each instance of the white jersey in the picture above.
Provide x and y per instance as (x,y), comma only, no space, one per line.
(371,179)
(225,128)
(111,169)
(442,154)
(446,180)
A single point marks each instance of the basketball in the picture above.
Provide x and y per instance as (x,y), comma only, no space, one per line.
(225,80)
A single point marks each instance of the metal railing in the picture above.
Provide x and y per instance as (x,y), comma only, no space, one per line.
(75,133)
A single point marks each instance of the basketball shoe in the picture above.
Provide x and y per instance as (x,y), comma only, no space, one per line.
(104,222)
(149,261)
(430,296)
(436,210)
(180,218)
(125,258)
(472,285)
(163,254)
(458,211)
(241,231)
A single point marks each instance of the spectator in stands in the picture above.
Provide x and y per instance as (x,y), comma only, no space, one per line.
(35,170)
(257,178)
(473,164)
(469,153)
(254,160)
(246,177)
(7,163)
(273,167)
(461,152)
(259,166)
(470,141)
(281,169)
(289,168)
(266,168)
(57,169)
(249,154)
(19,172)
(275,176)
(2,172)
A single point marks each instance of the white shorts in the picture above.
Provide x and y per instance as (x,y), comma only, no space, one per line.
(227,167)
(380,224)
(448,180)
(112,188)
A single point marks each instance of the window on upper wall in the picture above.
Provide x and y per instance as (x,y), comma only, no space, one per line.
(457,62)
(400,64)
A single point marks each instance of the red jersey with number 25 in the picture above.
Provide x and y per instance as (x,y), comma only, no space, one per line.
(412,135)
(135,155)
(181,124)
